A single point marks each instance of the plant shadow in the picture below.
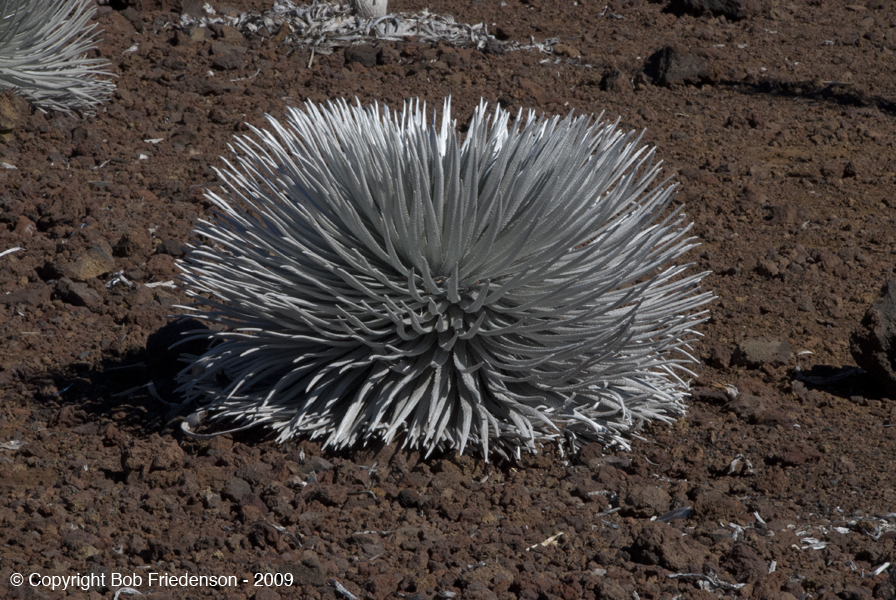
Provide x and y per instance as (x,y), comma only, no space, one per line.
(848,382)
(136,392)
(834,92)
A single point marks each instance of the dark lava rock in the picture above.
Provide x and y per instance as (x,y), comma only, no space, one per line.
(161,267)
(175,63)
(516,496)
(408,498)
(308,572)
(142,457)
(364,54)
(135,242)
(670,66)
(720,356)
(715,506)
(614,80)
(183,137)
(236,488)
(258,473)
(755,352)
(646,501)
(368,543)
(255,502)
(313,464)
(609,589)
(382,586)
(732,9)
(660,544)
(745,564)
(81,545)
(852,168)
(228,62)
(854,592)
(873,342)
(78,294)
(748,407)
(91,263)
(329,495)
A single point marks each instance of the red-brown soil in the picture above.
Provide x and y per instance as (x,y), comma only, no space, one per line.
(788,177)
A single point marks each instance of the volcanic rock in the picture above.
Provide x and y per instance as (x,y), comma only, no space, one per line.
(873,342)
(670,66)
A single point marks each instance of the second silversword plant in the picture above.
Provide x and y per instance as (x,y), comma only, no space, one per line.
(43,54)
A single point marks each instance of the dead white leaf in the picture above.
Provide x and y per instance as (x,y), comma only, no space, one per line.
(551,541)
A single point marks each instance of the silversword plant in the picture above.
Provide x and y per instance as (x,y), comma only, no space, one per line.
(373,276)
(43,48)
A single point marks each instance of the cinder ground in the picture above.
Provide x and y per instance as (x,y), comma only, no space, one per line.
(784,146)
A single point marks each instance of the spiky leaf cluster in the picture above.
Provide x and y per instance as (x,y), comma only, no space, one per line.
(375,276)
(43,48)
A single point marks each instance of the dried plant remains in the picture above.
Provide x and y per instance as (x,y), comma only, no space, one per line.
(374,277)
(324,27)
(43,54)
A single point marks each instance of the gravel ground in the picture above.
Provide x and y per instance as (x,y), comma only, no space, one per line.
(778,121)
